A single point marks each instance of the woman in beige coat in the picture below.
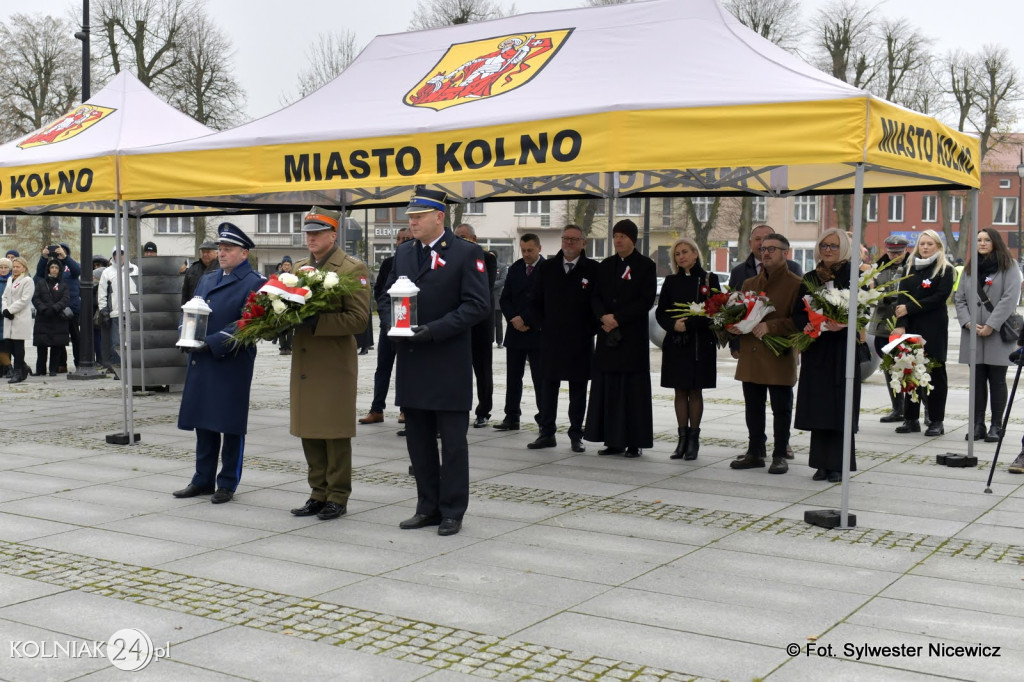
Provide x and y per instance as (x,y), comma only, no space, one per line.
(17,315)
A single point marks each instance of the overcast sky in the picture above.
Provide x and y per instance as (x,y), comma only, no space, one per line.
(270,36)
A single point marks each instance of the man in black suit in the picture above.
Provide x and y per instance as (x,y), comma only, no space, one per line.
(620,413)
(385,349)
(435,373)
(522,342)
(483,337)
(560,308)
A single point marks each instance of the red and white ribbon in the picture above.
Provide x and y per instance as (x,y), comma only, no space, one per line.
(274,286)
(626,275)
(436,261)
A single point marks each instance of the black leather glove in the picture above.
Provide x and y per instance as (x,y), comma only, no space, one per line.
(197,349)
(310,322)
(8,314)
(421,334)
(1015,356)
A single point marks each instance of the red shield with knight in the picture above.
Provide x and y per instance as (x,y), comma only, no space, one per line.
(67,126)
(485,68)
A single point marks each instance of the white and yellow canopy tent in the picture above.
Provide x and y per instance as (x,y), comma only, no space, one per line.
(662,97)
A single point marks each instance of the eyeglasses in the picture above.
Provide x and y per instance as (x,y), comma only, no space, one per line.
(770,249)
(572,240)
(828,247)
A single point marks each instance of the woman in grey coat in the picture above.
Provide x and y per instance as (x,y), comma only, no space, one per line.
(998,280)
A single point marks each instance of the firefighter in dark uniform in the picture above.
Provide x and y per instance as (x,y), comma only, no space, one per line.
(215,400)
(434,383)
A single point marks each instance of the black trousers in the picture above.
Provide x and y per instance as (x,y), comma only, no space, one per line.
(515,363)
(755,397)
(382,376)
(990,380)
(210,447)
(442,477)
(936,399)
(548,399)
(483,359)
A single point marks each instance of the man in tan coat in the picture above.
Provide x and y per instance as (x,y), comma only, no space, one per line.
(763,373)
(323,377)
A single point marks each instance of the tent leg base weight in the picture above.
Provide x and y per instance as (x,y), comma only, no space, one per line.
(828,518)
(86,374)
(951,459)
(121,438)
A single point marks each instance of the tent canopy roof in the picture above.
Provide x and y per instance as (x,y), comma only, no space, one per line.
(659,97)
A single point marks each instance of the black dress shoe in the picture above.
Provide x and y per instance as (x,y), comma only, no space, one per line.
(611,451)
(311,508)
(835,477)
(191,491)
(420,521)
(222,495)
(449,527)
(362,351)
(819,475)
(909,426)
(480,422)
(993,434)
(507,426)
(577,445)
(400,432)
(331,510)
(934,429)
(542,442)
(633,453)
(893,416)
(789,453)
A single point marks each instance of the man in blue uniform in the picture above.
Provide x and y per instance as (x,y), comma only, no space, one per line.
(215,401)
(434,382)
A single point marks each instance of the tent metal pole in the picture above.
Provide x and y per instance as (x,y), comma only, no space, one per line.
(973,305)
(142,329)
(851,344)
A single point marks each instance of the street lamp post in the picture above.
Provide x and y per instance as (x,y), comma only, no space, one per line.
(1020,200)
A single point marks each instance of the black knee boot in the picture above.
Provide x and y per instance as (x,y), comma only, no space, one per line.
(896,414)
(684,437)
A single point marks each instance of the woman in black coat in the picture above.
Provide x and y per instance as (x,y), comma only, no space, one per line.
(929,281)
(50,300)
(689,351)
(821,391)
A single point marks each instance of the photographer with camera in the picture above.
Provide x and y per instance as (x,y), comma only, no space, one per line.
(71,274)
(895,252)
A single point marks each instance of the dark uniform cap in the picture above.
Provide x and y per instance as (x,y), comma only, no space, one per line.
(427,200)
(207,246)
(320,219)
(229,233)
(896,242)
(149,247)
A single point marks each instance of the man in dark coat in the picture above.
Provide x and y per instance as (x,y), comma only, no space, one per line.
(72,275)
(483,337)
(620,411)
(560,308)
(522,342)
(215,400)
(385,348)
(435,370)
(207,263)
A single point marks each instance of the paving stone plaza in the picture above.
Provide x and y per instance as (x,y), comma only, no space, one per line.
(569,566)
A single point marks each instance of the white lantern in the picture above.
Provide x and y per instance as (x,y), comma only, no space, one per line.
(403,307)
(194,316)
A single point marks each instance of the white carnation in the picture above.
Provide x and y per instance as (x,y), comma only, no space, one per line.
(279,306)
(314,276)
(330,280)
(288,279)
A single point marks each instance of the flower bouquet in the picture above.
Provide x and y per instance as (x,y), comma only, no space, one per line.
(737,312)
(286,299)
(905,362)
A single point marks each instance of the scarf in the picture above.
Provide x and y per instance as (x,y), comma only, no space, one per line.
(827,273)
(987,266)
(922,263)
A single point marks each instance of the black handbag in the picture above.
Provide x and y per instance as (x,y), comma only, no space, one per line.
(1010,331)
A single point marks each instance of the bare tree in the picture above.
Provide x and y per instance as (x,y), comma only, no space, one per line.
(326,58)
(581,213)
(40,71)
(202,84)
(776,20)
(844,31)
(438,13)
(904,53)
(144,36)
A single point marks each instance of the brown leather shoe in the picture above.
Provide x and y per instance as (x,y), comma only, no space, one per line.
(372,418)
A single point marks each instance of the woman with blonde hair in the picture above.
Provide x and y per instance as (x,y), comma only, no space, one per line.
(5,353)
(17,314)
(927,284)
(689,350)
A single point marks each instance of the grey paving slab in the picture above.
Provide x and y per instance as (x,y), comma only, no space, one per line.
(841,554)
(695,483)
(514,585)
(1008,576)
(988,532)
(628,525)
(288,577)
(971,667)
(163,670)
(961,594)
(744,505)
(940,622)
(54,508)
(334,555)
(236,513)
(601,544)
(14,590)
(23,667)
(9,495)
(293,658)
(805,668)
(586,473)
(39,484)
(84,470)
(940,504)
(200,533)
(122,496)
(17,528)
(689,653)
(564,484)
(443,606)
(132,549)
(367,530)
(866,518)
